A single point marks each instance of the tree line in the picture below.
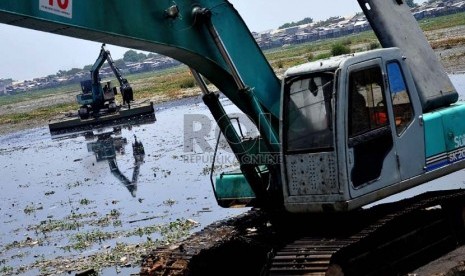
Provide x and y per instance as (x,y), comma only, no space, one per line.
(308,20)
(129,56)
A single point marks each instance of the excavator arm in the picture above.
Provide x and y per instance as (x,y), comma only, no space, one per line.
(171,28)
(125,88)
(98,64)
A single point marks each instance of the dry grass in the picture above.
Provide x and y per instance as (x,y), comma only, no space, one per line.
(448,43)
(43,113)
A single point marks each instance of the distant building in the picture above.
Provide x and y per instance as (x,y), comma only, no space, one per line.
(4,83)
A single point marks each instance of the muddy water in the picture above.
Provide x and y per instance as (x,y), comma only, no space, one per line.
(45,181)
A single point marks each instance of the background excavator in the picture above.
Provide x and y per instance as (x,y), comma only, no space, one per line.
(94,97)
(335,134)
(98,102)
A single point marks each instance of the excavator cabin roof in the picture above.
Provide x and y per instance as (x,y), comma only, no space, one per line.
(333,63)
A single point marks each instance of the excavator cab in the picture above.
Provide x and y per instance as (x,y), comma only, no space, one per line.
(352,131)
(86,97)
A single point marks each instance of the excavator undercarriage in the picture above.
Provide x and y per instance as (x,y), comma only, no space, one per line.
(388,239)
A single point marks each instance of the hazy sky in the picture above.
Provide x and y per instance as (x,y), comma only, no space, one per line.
(27,54)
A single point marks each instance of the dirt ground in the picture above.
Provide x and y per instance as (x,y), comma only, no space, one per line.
(452,264)
(452,56)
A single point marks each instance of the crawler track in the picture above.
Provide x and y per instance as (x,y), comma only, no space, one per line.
(396,238)
(388,239)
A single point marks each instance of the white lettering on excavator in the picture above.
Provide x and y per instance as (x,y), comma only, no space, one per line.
(459,152)
(459,141)
(457,155)
(58,7)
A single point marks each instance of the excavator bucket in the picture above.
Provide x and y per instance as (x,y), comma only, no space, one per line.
(233,190)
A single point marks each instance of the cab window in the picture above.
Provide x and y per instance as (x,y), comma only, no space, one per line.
(367,106)
(370,136)
(402,106)
(308,113)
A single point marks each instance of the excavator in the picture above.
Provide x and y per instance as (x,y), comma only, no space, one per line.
(98,103)
(94,97)
(335,134)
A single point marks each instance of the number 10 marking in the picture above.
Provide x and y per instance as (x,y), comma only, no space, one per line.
(63,4)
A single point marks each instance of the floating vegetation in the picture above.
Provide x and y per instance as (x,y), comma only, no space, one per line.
(49,193)
(75,216)
(82,241)
(74,184)
(85,201)
(55,225)
(28,242)
(32,208)
(6,269)
(168,232)
(169,202)
(114,213)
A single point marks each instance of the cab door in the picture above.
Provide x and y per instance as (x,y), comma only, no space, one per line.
(406,110)
(371,152)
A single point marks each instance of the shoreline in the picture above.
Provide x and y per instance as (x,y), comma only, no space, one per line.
(185,98)
(10,128)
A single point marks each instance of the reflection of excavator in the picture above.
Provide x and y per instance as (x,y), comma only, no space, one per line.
(106,145)
(106,148)
(335,134)
(95,98)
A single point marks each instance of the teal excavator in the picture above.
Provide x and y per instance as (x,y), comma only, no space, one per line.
(95,97)
(335,134)
(98,105)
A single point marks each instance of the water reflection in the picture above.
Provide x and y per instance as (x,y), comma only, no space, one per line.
(106,146)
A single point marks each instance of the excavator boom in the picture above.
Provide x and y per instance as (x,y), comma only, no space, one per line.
(395,26)
(162,27)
